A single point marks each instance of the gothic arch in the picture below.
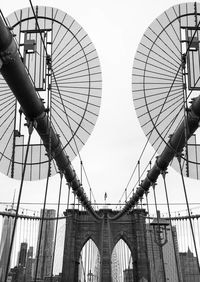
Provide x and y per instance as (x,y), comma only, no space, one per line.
(105,233)
(125,237)
(122,262)
(87,237)
(89,261)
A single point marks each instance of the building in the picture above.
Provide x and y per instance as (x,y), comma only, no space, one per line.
(44,254)
(18,274)
(189,265)
(29,265)
(6,236)
(164,261)
(154,255)
(22,254)
(171,256)
(128,275)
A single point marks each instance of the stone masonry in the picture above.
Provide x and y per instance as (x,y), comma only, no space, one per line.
(106,232)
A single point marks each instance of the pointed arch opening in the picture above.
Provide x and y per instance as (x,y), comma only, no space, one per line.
(89,263)
(122,262)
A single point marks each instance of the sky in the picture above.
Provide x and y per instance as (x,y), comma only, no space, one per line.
(114,147)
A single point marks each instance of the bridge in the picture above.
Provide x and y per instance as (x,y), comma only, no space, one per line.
(50,89)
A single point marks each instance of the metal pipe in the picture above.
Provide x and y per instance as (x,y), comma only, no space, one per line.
(17,78)
(173,148)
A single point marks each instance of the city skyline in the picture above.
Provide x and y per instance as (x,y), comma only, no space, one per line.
(187,262)
(25,264)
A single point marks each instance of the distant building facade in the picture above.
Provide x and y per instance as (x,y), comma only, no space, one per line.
(189,265)
(154,255)
(29,265)
(6,235)
(128,275)
(171,257)
(170,263)
(46,246)
(22,254)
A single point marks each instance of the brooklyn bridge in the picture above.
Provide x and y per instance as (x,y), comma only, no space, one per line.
(52,227)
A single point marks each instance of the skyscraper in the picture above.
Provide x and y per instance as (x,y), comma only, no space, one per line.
(6,236)
(22,254)
(167,253)
(189,265)
(45,252)
(29,265)
(128,275)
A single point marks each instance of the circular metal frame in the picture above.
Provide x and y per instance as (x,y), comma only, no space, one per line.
(64,67)
(166,77)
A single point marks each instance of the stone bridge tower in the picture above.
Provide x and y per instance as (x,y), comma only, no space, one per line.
(80,227)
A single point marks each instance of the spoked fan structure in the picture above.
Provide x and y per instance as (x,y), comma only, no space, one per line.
(165,79)
(65,71)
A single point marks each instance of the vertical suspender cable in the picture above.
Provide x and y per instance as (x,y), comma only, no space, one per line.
(83,269)
(46,189)
(152,249)
(171,227)
(139,176)
(158,219)
(56,229)
(125,252)
(30,130)
(185,233)
(85,259)
(42,222)
(68,196)
(182,235)
(188,210)
(74,201)
(198,229)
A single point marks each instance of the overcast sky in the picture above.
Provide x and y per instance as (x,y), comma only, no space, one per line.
(112,151)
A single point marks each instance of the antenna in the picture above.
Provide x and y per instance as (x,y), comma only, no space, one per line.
(13,202)
(166,79)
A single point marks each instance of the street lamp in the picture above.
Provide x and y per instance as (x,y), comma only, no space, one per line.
(160,236)
(160,230)
(90,276)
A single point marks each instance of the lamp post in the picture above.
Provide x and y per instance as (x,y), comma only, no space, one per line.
(160,236)
(90,276)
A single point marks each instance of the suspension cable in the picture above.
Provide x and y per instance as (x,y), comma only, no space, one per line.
(149,164)
(68,196)
(151,238)
(170,222)
(188,210)
(56,229)
(158,220)
(30,130)
(42,221)
(88,182)
(83,268)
